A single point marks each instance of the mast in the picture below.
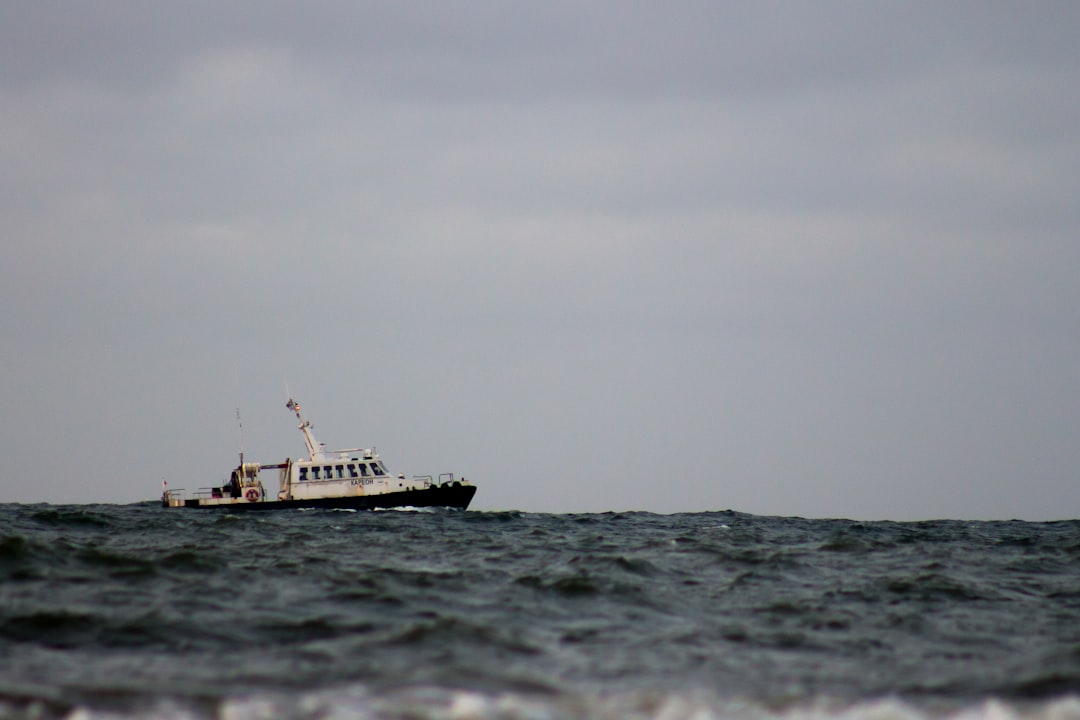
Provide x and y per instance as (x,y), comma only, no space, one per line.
(315,448)
(241,424)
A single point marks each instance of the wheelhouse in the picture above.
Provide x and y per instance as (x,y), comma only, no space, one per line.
(352,469)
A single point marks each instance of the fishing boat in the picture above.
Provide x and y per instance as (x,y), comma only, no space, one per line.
(341,479)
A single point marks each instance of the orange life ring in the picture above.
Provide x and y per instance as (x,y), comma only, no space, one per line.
(252,495)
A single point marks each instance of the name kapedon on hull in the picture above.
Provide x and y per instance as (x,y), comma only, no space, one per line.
(348,479)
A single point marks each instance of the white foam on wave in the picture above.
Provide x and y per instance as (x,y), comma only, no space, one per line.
(359,703)
(440,704)
(410,509)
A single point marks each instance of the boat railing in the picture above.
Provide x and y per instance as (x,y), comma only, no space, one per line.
(209,492)
(426,478)
(446,478)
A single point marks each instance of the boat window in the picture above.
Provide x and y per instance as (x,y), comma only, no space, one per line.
(363,469)
(340,471)
(314,473)
(378,468)
(303,474)
(352,471)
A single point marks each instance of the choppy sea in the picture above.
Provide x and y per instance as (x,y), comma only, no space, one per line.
(135,611)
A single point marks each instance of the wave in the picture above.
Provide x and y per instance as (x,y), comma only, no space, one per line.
(135,611)
(534,702)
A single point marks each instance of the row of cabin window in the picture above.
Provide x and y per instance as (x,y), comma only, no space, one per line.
(332,472)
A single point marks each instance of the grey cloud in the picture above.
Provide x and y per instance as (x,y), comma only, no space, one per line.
(787,258)
(485,49)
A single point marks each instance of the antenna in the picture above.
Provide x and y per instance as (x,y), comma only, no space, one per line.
(236,385)
(241,424)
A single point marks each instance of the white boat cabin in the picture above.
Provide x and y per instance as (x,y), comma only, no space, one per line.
(350,473)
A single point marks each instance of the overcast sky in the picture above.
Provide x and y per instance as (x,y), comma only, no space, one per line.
(788,258)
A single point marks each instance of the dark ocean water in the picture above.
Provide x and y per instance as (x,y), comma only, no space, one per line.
(111,611)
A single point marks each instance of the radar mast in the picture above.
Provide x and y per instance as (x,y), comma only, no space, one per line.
(316,449)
